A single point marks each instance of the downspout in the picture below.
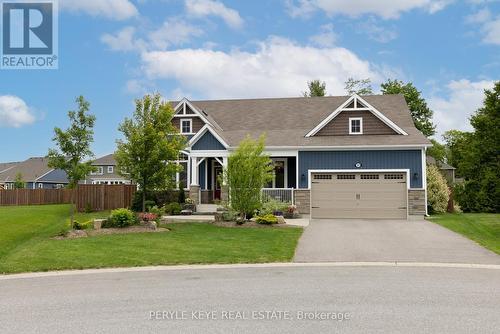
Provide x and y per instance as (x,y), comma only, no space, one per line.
(424,177)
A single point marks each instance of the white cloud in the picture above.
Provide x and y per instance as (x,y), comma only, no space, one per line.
(464,98)
(111,9)
(174,31)
(492,32)
(377,32)
(202,8)
(388,9)
(326,37)
(279,67)
(479,17)
(14,112)
(123,40)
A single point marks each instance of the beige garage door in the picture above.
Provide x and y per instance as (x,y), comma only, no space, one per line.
(359,195)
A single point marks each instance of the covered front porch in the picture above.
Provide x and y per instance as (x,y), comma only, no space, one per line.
(205,183)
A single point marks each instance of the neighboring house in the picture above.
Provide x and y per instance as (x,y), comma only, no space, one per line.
(335,157)
(447,170)
(106,172)
(35,172)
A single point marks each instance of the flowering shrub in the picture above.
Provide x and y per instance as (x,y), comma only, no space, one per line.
(437,190)
(189,201)
(147,216)
(292,208)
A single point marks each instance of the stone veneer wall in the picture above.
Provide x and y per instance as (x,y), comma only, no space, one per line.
(303,200)
(416,202)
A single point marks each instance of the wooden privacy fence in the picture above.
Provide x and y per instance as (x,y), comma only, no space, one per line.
(104,197)
(96,197)
(35,196)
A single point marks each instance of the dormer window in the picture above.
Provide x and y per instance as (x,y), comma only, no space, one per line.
(355,125)
(186,126)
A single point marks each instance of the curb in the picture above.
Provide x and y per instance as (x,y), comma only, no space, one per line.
(250,265)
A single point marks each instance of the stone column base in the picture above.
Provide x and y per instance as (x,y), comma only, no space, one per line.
(194,194)
(303,200)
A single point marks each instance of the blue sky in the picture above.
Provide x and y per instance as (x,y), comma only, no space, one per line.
(113,51)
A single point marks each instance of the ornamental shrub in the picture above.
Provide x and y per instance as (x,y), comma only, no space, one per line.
(266,219)
(173,208)
(437,190)
(121,218)
(83,226)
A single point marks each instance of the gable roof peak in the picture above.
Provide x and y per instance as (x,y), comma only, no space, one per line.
(354,100)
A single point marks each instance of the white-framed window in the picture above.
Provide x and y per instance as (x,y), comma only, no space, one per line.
(186,125)
(98,171)
(40,186)
(355,125)
(110,169)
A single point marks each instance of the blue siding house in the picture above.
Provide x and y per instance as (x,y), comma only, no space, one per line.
(334,157)
(36,174)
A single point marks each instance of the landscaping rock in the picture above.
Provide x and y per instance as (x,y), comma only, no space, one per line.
(98,223)
(281,219)
(219,216)
(149,224)
(186,212)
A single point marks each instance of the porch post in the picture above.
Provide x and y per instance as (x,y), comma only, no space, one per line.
(224,189)
(194,188)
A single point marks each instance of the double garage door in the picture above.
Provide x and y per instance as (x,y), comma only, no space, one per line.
(359,195)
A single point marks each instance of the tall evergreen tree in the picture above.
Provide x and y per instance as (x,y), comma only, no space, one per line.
(316,88)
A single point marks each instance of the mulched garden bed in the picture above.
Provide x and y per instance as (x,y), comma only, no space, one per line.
(74,234)
(248,224)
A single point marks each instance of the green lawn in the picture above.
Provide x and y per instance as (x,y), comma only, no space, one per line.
(484,228)
(26,244)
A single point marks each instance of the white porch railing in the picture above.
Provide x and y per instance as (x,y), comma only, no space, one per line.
(279,194)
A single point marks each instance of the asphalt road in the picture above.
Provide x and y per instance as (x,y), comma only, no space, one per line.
(373,299)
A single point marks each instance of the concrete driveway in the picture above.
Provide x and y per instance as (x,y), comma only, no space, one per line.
(356,240)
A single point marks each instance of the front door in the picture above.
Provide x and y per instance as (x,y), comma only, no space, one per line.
(216,182)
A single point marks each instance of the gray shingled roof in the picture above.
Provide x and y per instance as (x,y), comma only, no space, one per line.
(107,160)
(30,169)
(6,165)
(286,121)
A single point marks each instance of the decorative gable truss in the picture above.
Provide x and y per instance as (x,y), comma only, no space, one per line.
(189,119)
(353,104)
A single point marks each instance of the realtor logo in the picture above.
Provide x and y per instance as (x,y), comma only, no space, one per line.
(29,35)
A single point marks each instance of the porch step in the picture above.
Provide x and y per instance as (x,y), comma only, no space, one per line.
(206,209)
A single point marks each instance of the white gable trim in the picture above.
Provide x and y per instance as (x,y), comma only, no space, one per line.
(370,108)
(183,114)
(202,131)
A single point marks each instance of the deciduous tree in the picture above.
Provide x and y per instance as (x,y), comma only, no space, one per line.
(150,146)
(73,154)
(420,112)
(358,86)
(248,171)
